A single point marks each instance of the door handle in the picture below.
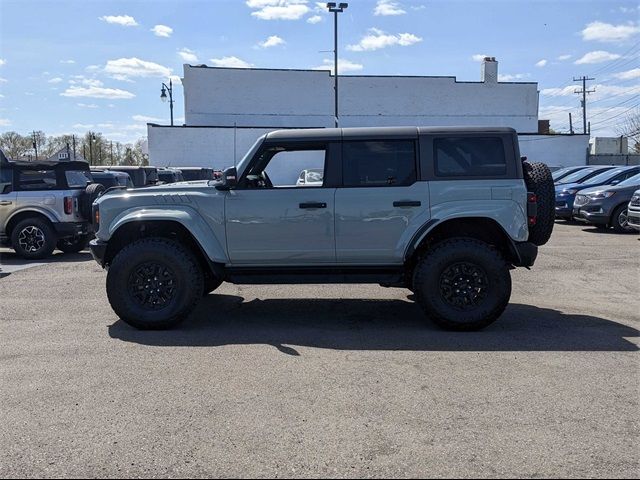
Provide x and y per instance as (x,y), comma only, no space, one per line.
(407,203)
(313,205)
(6,202)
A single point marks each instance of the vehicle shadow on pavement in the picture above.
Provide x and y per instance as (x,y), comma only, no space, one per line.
(359,324)
(11,261)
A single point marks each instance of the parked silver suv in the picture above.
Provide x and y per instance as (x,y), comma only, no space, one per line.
(444,212)
(45,205)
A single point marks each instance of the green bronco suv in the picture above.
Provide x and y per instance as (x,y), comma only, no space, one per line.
(444,212)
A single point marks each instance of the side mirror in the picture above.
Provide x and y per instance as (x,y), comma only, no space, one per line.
(229,178)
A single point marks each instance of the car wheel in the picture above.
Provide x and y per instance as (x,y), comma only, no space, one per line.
(73,244)
(33,238)
(462,284)
(154,283)
(619,220)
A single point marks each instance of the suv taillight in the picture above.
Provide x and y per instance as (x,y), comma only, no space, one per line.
(96,217)
(68,205)
(532,208)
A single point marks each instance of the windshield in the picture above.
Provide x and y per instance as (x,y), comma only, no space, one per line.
(631,181)
(242,164)
(605,176)
(78,178)
(579,175)
(565,171)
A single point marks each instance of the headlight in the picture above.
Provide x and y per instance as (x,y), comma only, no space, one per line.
(600,195)
(571,191)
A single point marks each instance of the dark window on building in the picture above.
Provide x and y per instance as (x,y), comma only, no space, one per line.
(379,163)
(469,156)
(37,180)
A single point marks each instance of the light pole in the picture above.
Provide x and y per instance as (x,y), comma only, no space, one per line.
(336,9)
(163,96)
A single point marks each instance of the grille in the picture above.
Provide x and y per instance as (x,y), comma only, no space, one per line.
(581,200)
(635,201)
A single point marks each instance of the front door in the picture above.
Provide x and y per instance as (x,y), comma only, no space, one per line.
(7,197)
(272,221)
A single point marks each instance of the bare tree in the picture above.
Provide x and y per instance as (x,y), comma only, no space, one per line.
(630,128)
(14,145)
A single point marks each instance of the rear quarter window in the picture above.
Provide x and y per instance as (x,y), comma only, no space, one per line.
(469,157)
(6,180)
(37,180)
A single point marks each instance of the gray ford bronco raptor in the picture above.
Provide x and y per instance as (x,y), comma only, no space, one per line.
(444,212)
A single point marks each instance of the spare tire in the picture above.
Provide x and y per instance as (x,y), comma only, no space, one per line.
(91,193)
(538,179)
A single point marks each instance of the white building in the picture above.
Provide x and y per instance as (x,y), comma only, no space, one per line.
(226,109)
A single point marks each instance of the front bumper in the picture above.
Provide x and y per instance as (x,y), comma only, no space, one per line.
(633,217)
(594,217)
(98,251)
(72,229)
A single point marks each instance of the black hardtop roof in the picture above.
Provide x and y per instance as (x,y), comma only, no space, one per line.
(376,132)
(44,164)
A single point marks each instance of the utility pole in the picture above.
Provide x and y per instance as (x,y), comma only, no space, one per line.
(570,124)
(584,92)
(73,138)
(35,143)
(111,152)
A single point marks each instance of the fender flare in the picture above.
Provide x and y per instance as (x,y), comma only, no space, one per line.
(188,217)
(32,209)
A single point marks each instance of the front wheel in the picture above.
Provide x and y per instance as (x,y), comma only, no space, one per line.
(154,283)
(619,220)
(462,284)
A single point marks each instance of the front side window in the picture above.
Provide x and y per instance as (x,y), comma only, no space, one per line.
(469,156)
(37,180)
(286,166)
(6,180)
(378,163)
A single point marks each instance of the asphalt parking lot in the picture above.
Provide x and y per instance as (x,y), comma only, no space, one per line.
(338,380)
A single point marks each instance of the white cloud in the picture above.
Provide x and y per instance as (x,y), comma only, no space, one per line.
(606,32)
(87,105)
(598,56)
(5,122)
(123,68)
(162,31)
(68,62)
(562,58)
(97,92)
(176,79)
(602,92)
(344,66)
(478,57)
(388,7)
(541,63)
(315,19)
(507,77)
(55,80)
(146,119)
(92,68)
(188,55)
(124,20)
(628,75)
(2,62)
(3,80)
(377,39)
(278,9)
(83,126)
(230,62)
(92,82)
(272,41)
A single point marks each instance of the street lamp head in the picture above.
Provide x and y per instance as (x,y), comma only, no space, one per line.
(163,94)
(343,5)
(334,7)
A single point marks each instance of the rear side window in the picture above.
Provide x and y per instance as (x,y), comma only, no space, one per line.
(386,163)
(37,180)
(469,156)
(77,178)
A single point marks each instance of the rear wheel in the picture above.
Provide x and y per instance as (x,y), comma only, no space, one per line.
(619,220)
(462,284)
(154,283)
(33,238)
(538,179)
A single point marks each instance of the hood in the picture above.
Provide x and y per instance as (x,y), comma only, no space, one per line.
(611,188)
(566,186)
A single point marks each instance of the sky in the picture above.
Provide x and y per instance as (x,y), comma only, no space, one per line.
(73,66)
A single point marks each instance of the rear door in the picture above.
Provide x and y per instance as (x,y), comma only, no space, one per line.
(381,204)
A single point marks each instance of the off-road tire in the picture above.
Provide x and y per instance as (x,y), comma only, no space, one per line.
(615,220)
(38,228)
(73,244)
(430,274)
(538,179)
(86,199)
(186,277)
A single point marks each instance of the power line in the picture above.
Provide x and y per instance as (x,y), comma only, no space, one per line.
(584,93)
(617,115)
